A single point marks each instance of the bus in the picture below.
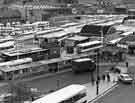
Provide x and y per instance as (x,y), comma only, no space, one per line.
(56,37)
(28,27)
(7,43)
(108,23)
(74,93)
(89,46)
(51,30)
(16,62)
(83,65)
(4,31)
(72,24)
(35,53)
(41,25)
(127,33)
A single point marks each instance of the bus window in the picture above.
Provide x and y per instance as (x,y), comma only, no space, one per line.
(74,94)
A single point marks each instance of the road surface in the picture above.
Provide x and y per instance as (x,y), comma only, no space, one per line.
(61,80)
(122,94)
(46,84)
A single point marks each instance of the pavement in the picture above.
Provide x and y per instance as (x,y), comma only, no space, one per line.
(104,88)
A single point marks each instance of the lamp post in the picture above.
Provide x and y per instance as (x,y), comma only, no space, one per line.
(97,63)
(97,73)
(16,45)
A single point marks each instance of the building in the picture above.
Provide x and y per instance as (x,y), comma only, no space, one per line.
(38,10)
(9,15)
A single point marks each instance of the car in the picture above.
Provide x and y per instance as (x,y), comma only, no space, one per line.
(125,78)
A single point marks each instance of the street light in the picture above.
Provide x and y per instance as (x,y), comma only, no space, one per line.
(97,73)
(97,63)
(58,80)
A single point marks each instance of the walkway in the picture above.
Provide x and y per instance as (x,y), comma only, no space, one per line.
(104,88)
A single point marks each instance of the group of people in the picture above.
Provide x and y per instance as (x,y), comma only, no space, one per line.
(104,77)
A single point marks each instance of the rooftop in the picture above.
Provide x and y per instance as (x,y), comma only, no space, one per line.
(78,38)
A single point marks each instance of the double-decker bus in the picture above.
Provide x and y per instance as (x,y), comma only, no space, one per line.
(74,93)
(16,62)
(35,53)
(83,65)
(127,33)
(89,46)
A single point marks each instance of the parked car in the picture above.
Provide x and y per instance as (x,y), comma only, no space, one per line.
(125,78)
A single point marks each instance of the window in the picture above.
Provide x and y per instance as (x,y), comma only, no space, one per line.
(79,96)
(74,99)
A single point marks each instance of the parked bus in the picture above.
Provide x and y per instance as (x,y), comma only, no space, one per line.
(28,27)
(69,25)
(127,33)
(114,41)
(41,25)
(7,43)
(71,94)
(4,31)
(51,30)
(83,65)
(16,62)
(34,53)
(55,37)
(89,46)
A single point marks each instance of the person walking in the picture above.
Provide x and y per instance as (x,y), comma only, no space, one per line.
(103,77)
(108,77)
(98,78)
(127,64)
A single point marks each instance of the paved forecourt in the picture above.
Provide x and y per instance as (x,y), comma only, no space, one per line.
(104,88)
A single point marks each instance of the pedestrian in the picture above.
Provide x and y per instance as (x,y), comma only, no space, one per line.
(108,77)
(103,77)
(98,78)
(126,64)
(92,81)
